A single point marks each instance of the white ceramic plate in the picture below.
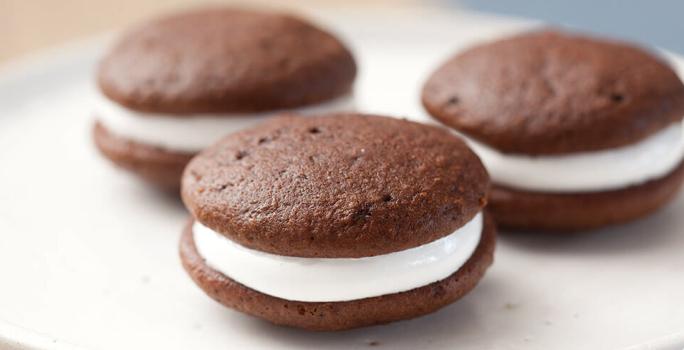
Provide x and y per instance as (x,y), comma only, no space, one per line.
(88,255)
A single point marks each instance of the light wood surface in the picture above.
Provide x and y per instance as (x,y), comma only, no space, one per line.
(29,25)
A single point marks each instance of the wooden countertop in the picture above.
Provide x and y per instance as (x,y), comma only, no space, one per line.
(29,25)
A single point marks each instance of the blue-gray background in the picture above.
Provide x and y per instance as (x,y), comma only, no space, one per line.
(655,23)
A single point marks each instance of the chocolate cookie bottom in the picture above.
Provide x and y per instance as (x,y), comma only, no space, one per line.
(334,316)
(521,210)
(160,167)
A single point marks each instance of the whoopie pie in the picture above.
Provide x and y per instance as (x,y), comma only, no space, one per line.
(175,85)
(576,132)
(338,221)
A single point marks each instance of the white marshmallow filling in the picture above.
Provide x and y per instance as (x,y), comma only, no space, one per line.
(605,170)
(338,279)
(192,133)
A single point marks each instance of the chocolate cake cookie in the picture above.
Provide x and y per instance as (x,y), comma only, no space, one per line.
(179,83)
(577,132)
(336,222)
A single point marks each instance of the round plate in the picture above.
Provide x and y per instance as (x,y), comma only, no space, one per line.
(89,258)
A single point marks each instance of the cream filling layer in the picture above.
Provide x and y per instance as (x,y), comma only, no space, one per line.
(338,279)
(649,159)
(192,133)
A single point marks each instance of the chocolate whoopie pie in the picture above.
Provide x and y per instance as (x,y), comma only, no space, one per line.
(576,132)
(337,222)
(175,85)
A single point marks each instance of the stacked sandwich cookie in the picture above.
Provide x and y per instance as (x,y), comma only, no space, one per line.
(576,132)
(337,222)
(173,86)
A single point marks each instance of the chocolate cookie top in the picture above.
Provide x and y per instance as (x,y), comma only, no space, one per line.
(346,185)
(225,60)
(553,93)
